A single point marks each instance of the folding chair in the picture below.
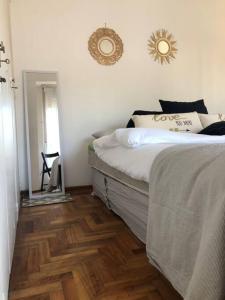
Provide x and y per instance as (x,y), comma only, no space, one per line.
(45,168)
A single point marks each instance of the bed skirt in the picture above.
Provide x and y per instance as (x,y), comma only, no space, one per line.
(129,204)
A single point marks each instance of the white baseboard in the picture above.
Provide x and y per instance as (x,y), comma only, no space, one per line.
(3,296)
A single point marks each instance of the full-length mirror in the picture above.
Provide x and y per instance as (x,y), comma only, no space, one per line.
(43,135)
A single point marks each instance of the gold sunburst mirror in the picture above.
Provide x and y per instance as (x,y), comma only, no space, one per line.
(162,46)
(105,46)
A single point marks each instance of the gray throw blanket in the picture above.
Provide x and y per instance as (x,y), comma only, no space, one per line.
(186,223)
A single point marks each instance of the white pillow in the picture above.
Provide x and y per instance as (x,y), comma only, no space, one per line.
(173,122)
(102,133)
(208,119)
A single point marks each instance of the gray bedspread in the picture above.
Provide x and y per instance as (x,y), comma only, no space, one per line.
(186,223)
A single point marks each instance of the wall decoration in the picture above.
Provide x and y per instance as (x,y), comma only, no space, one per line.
(105,46)
(162,46)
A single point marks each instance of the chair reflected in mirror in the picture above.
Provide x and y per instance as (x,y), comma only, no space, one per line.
(53,172)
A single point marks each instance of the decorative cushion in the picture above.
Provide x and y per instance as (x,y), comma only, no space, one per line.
(174,122)
(183,107)
(217,128)
(209,119)
(130,124)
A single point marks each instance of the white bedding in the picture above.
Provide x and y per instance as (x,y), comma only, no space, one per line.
(133,151)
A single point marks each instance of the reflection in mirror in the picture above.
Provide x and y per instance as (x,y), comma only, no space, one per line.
(106,46)
(43,140)
(163,47)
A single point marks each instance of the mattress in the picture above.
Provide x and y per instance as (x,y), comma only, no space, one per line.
(98,164)
(126,196)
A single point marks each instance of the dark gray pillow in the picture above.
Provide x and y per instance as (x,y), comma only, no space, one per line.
(130,124)
(173,107)
(217,128)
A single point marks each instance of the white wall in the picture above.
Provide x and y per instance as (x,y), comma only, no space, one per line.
(53,35)
(8,161)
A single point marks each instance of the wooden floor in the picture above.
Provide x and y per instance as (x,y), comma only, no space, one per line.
(81,250)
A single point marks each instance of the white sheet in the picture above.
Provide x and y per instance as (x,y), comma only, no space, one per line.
(133,151)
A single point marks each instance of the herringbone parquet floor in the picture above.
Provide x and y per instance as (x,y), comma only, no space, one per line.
(81,251)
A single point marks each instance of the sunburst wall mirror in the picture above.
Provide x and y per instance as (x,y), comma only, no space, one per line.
(105,46)
(162,46)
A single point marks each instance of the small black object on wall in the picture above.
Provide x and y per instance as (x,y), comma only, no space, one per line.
(2,49)
(2,80)
(6,61)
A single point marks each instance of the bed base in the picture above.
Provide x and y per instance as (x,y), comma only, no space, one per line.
(131,205)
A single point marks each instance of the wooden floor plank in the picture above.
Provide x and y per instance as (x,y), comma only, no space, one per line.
(81,251)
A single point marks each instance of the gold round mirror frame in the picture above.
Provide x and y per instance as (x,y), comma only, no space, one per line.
(102,36)
(159,38)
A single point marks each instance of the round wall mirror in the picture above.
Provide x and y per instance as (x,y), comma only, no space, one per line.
(105,46)
(162,46)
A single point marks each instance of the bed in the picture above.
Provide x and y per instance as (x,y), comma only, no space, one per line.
(139,174)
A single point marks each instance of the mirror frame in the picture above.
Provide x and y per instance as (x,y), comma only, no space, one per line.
(153,44)
(99,56)
(31,195)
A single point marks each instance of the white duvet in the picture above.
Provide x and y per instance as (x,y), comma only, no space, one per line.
(133,150)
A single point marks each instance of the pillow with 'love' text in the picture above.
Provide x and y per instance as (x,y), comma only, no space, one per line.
(174,122)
